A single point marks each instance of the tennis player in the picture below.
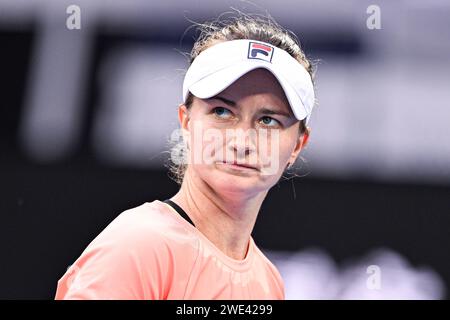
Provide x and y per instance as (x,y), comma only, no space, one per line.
(246,75)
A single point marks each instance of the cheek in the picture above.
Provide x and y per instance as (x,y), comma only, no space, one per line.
(286,148)
(276,150)
(206,141)
(288,140)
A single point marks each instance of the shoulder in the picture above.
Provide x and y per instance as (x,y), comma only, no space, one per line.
(136,256)
(146,237)
(272,272)
(150,225)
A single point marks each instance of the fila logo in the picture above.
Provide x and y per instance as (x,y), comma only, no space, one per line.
(260,51)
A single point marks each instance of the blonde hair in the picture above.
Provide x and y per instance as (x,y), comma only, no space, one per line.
(244,26)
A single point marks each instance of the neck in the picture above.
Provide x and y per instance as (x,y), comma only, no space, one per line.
(226,219)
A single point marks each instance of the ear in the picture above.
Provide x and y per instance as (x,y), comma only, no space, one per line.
(183,116)
(302,141)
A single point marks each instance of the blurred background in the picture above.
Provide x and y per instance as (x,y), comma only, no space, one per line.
(86,115)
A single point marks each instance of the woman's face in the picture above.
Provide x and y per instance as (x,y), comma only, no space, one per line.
(241,140)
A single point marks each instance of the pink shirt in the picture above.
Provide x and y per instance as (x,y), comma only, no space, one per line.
(151,252)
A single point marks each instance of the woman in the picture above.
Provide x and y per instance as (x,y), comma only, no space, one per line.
(249,84)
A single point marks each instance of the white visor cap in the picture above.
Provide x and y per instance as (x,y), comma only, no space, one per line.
(217,67)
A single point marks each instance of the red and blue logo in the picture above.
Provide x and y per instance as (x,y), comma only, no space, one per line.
(260,51)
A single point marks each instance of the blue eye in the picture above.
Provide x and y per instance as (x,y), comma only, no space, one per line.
(222,112)
(268,121)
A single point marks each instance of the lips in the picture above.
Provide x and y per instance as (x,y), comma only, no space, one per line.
(242,165)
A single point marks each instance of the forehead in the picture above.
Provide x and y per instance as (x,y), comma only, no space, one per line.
(260,83)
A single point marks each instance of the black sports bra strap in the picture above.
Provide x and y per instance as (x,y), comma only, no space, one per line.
(179,210)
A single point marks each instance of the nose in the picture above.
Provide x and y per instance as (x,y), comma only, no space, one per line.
(242,142)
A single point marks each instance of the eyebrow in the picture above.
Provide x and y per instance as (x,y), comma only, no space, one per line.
(263,110)
(270,111)
(224,100)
